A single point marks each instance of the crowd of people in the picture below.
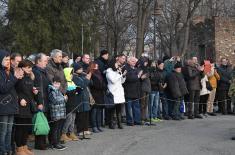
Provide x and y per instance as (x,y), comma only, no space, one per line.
(82,97)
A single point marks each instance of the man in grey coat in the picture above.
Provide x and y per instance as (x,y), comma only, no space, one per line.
(54,68)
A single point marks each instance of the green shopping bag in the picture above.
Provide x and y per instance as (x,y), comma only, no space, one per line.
(41,126)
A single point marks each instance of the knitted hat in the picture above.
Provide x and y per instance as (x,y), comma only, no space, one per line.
(103,52)
(178,65)
(77,66)
(159,62)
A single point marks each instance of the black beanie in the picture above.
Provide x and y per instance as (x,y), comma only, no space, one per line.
(77,66)
(103,52)
(178,65)
(159,62)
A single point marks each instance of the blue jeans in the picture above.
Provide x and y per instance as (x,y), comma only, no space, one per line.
(5,133)
(69,123)
(96,117)
(133,115)
(153,104)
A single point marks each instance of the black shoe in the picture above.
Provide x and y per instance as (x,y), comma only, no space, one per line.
(233,138)
(59,147)
(212,114)
(199,116)
(100,130)
(182,117)
(176,118)
(111,126)
(41,147)
(190,117)
(167,118)
(130,124)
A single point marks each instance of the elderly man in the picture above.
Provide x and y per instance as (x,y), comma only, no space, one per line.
(132,89)
(54,68)
(41,82)
(193,75)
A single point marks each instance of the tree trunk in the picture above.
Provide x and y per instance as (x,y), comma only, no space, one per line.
(186,38)
(141,22)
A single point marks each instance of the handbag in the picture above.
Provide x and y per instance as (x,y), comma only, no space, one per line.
(91,99)
(108,100)
(40,124)
(208,86)
(182,107)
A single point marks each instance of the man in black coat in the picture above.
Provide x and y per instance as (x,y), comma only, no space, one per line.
(193,73)
(225,72)
(177,88)
(102,61)
(41,82)
(132,87)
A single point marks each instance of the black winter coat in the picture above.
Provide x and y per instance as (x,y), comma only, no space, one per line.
(158,79)
(98,87)
(132,85)
(225,73)
(176,85)
(82,98)
(24,88)
(41,82)
(103,65)
(193,76)
(8,96)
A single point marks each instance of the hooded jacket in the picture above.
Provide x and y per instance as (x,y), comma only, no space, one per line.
(72,104)
(8,95)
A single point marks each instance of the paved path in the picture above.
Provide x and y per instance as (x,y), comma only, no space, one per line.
(210,136)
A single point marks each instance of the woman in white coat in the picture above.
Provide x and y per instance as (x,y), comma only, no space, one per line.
(204,94)
(115,79)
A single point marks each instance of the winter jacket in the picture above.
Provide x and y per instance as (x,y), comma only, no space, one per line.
(56,104)
(145,83)
(8,95)
(176,85)
(41,82)
(193,76)
(24,88)
(204,90)
(53,70)
(115,81)
(71,104)
(103,64)
(213,77)
(82,98)
(231,92)
(158,79)
(132,85)
(225,73)
(98,87)
(169,66)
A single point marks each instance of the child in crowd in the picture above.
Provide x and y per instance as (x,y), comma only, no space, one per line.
(57,113)
(82,81)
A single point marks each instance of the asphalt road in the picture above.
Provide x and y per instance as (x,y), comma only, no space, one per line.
(210,136)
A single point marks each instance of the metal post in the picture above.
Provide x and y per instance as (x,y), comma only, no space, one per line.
(82,39)
(154,39)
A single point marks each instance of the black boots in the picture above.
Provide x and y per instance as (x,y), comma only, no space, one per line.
(119,121)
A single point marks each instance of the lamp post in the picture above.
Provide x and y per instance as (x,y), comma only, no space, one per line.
(157,12)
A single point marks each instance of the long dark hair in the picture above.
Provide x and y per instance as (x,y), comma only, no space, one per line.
(112,64)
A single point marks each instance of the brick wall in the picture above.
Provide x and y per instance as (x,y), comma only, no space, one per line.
(225,38)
